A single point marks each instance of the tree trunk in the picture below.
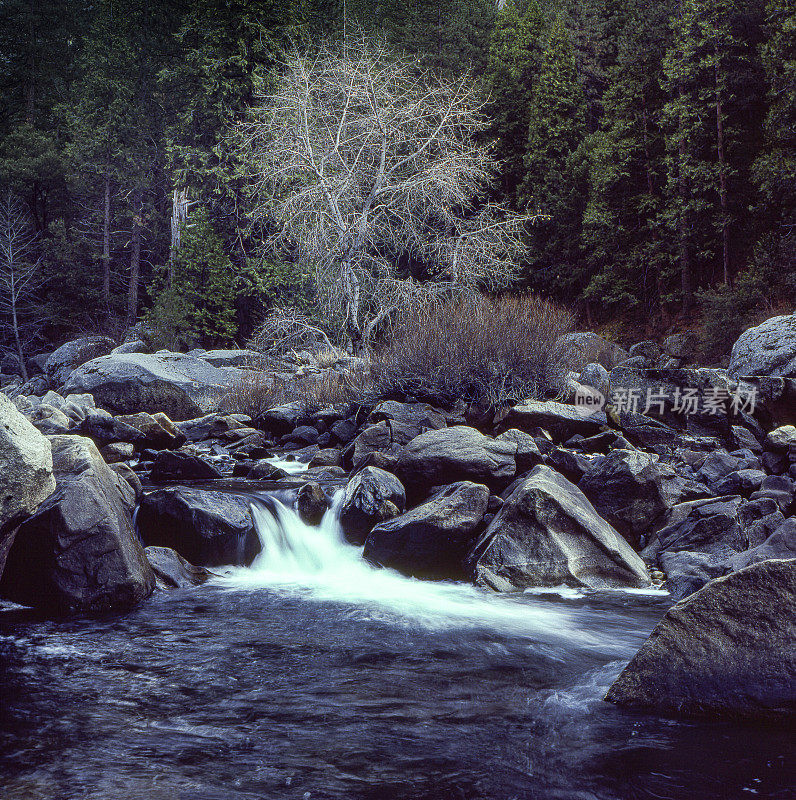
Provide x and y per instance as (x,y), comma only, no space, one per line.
(106,245)
(135,262)
(725,222)
(685,255)
(179,213)
(351,293)
(15,323)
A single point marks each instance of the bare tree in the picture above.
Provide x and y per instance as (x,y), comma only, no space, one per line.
(19,268)
(359,160)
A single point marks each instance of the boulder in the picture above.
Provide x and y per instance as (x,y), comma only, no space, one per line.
(407,420)
(648,350)
(596,376)
(780,439)
(589,348)
(79,551)
(116,452)
(229,358)
(371,497)
(182,386)
(103,429)
(211,426)
(546,534)
(70,356)
(727,650)
(172,571)
(767,349)
(175,466)
(682,346)
(780,544)
(627,487)
(26,472)
(687,572)
(133,481)
(208,528)
(158,434)
(561,420)
(440,457)
(311,503)
(329,457)
(528,454)
(374,440)
(280,420)
(431,540)
(49,420)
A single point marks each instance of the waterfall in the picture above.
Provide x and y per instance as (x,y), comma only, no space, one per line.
(317,563)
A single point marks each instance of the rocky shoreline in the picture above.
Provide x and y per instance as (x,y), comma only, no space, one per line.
(542,493)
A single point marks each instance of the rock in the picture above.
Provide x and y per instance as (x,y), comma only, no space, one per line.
(49,420)
(127,474)
(759,519)
(683,346)
(743,438)
(172,571)
(431,540)
(26,472)
(767,349)
(561,420)
(589,348)
(327,458)
(648,350)
(70,356)
(182,386)
(375,439)
(726,650)
(157,435)
(371,496)
(311,503)
(440,457)
(717,466)
(528,454)
(136,346)
(210,426)
(627,488)
(707,526)
(596,376)
(79,551)
(343,431)
(743,482)
(175,466)
(643,431)
(304,434)
(407,420)
(280,420)
(104,429)
(687,572)
(781,439)
(209,529)
(778,488)
(571,465)
(117,451)
(264,470)
(547,533)
(780,544)
(229,358)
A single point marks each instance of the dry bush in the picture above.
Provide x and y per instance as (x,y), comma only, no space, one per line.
(284,333)
(477,349)
(256,391)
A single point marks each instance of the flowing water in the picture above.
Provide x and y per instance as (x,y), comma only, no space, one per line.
(314,675)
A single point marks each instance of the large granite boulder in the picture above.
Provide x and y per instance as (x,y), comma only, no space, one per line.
(431,540)
(767,349)
(440,457)
(726,650)
(79,551)
(172,571)
(209,529)
(562,420)
(546,534)
(780,544)
(627,488)
(70,356)
(371,496)
(172,465)
(179,385)
(26,472)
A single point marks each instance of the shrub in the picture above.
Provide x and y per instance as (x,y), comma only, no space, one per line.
(477,349)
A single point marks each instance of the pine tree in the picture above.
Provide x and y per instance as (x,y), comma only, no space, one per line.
(514,55)
(555,166)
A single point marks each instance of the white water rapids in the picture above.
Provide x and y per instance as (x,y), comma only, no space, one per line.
(317,563)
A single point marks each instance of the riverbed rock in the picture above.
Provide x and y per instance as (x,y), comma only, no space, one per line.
(68,357)
(311,503)
(372,496)
(209,529)
(562,420)
(79,551)
(780,544)
(182,386)
(766,349)
(172,571)
(440,457)
(115,452)
(158,434)
(587,348)
(528,454)
(627,489)
(726,650)
(26,472)
(547,533)
(431,540)
(176,466)
(49,420)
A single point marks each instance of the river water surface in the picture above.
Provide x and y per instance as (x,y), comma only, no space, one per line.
(313,675)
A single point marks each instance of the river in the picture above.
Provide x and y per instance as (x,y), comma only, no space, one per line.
(313,675)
